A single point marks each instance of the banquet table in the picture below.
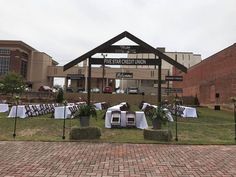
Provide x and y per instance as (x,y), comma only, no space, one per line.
(81,103)
(189,112)
(70,104)
(4,107)
(147,104)
(21,111)
(115,108)
(141,121)
(59,112)
(98,106)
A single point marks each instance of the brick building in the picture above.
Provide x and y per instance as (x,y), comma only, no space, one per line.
(188,59)
(213,80)
(19,57)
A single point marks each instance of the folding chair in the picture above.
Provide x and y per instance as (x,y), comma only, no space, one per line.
(36,110)
(72,110)
(46,108)
(148,110)
(75,108)
(29,112)
(51,108)
(180,111)
(43,109)
(124,108)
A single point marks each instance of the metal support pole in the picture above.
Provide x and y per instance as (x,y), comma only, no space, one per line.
(103,73)
(159,82)
(64,121)
(89,82)
(176,122)
(14,131)
(168,83)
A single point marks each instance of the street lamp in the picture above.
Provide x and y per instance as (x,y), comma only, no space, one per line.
(64,122)
(103,69)
(17,102)
(176,102)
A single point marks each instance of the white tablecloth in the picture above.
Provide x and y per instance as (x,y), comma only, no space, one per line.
(123,103)
(59,112)
(98,106)
(189,112)
(81,103)
(4,107)
(20,111)
(114,108)
(145,105)
(141,121)
(70,104)
(168,115)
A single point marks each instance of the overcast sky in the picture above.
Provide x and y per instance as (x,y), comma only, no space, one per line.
(65,29)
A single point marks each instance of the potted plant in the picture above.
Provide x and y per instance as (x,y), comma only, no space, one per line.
(157,116)
(84,112)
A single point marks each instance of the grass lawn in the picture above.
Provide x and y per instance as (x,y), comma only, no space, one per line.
(212,127)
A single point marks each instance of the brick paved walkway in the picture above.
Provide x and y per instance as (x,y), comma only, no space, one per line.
(89,159)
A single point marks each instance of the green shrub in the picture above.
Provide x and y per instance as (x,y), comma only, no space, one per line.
(159,135)
(60,96)
(86,110)
(79,133)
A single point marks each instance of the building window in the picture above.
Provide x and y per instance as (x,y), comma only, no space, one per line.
(23,70)
(4,52)
(152,73)
(4,64)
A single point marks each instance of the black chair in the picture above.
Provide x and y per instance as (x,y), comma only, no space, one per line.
(141,105)
(43,109)
(73,110)
(29,112)
(148,110)
(36,110)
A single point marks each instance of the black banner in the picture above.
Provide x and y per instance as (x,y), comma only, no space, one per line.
(174,78)
(75,76)
(125,61)
(173,90)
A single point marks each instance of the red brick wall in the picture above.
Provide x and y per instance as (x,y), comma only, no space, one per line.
(15,60)
(216,74)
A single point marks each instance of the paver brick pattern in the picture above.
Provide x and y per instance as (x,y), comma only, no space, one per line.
(71,159)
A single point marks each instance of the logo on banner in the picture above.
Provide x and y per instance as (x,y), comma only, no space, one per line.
(124,75)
